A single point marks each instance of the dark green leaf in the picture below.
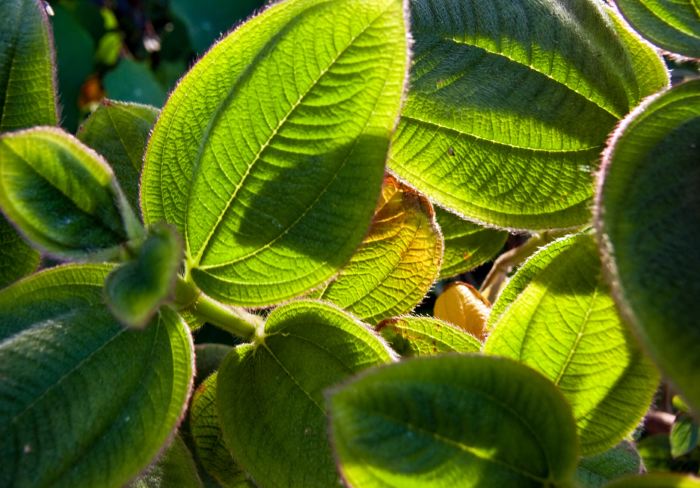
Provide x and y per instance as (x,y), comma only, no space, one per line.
(657,481)
(208,358)
(84,402)
(269,156)
(174,469)
(465,421)
(684,436)
(17,259)
(270,393)
(596,471)
(133,81)
(426,336)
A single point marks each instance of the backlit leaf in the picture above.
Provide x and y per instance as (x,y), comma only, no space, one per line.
(462,305)
(511,103)
(396,264)
(559,317)
(269,155)
(270,393)
(17,259)
(175,468)
(426,336)
(648,217)
(596,471)
(684,436)
(467,421)
(84,402)
(658,480)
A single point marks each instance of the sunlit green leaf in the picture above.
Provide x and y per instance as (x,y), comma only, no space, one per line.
(269,155)
(17,259)
(648,217)
(596,471)
(426,336)
(396,264)
(270,393)
(77,388)
(467,421)
(133,81)
(174,468)
(557,316)
(684,436)
(511,102)
(658,480)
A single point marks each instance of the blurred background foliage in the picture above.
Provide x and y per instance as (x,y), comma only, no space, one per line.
(133,50)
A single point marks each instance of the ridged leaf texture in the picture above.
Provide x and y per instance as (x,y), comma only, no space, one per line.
(307,347)
(511,102)
(62,195)
(426,336)
(648,217)
(269,156)
(174,468)
(673,26)
(84,402)
(467,421)
(657,480)
(17,259)
(396,264)
(557,316)
(596,471)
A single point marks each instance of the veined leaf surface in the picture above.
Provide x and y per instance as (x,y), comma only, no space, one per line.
(511,102)
(174,468)
(467,421)
(84,402)
(396,264)
(426,336)
(307,347)
(557,316)
(596,471)
(648,217)
(269,156)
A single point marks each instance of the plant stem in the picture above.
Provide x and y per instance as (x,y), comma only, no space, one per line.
(237,321)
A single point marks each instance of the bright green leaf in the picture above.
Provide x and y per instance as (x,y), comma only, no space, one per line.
(596,471)
(656,481)
(511,102)
(398,260)
(684,436)
(269,156)
(119,132)
(133,81)
(27,87)
(84,402)
(466,421)
(467,245)
(426,336)
(174,469)
(270,394)
(648,217)
(671,25)
(17,259)
(62,195)
(136,290)
(557,316)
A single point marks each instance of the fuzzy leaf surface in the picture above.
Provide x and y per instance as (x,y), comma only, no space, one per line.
(426,336)
(511,103)
(446,421)
(596,471)
(269,156)
(77,388)
(559,317)
(174,468)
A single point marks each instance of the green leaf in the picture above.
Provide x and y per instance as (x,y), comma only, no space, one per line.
(62,195)
(684,436)
(673,26)
(306,348)
(208,438)
(133,81)
(511,103)
(119,132)
(137,289)
(426,336)
(175,468)
(396,264)
(27,86)
(463,421)
(84,402)
(648,217)
(596,471)
(273,169)
(467,245)
(208,358)
(558,317)
(656,481)
(17,259)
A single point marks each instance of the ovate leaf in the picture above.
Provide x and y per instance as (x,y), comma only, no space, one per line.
(27,84)
(17,259)
(426,336)
(511,103)
(596,471)
(648,217)
(684,436)
(62,195)
(397,262)
(559,318)
(307,347)
(465,421)
(119,131)
(133,81)
(77,389)
(673,26)
(462,305)
(174,468)
(269,155)
(467,245)
(658,480)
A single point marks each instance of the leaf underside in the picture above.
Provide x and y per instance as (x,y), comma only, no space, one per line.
(426,336)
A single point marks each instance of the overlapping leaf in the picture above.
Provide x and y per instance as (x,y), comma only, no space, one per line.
(596,471)
(77,388)
(658,480)
(511,102)
(396,264)
(174,468)
(269,156)
(557,315)
(17,259)
(426,336)
(648,217)
(462,305)
(270,393)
